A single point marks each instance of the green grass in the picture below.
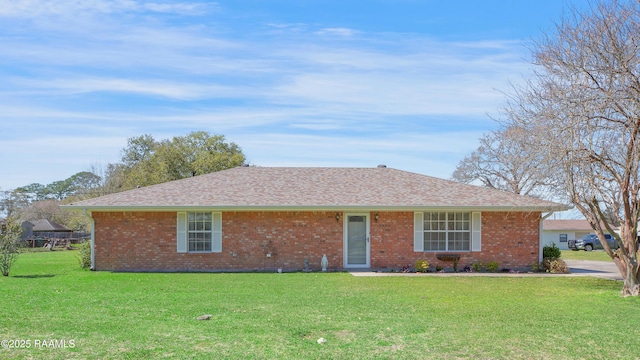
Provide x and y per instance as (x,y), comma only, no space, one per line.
(598,255)
(281,316)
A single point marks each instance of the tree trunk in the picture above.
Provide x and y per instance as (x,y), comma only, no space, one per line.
(629,271)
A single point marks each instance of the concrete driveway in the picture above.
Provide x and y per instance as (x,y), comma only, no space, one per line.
(603,269)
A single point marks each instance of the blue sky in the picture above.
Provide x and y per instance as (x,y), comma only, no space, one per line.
(406,83)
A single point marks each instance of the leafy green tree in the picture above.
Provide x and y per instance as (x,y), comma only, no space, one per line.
(113,179)
(34,191)
(59,189)
(146,163)
(84,183)
(138,164)
(198,153)
(139,149)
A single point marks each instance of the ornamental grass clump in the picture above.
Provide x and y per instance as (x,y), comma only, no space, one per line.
(554,266)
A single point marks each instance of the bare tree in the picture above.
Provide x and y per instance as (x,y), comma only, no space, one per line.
(581,110)
(503,162)
(12,202)
(46,209)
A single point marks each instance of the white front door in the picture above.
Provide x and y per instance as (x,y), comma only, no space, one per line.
(356,240)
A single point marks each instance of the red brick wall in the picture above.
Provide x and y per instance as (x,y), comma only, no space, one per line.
(510,238)
(392,240)
(146,241)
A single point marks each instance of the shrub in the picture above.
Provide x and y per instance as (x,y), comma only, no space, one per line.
(421,265)
(9,245)
(551,251)
(476,266)
(438,268)
(554,266)
(535,267)
(84,255)
(492,266)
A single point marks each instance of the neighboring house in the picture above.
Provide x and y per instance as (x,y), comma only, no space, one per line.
(261,218)
(49,229)
(27,230)
(559,232)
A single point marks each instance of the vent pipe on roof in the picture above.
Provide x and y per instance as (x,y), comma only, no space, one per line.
(382,166)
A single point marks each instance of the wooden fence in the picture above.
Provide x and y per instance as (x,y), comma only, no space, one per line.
(59,239)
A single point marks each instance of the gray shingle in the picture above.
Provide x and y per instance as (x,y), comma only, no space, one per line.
(557,225)
(246,188)
(48,226)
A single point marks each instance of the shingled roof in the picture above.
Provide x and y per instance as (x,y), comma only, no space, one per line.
(45,225)
(571,225)
(279,188)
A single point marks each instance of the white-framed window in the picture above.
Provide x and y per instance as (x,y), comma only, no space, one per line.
(447,231)
(563,237)
(199,232)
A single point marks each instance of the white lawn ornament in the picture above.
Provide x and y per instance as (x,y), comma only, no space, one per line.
(324,262)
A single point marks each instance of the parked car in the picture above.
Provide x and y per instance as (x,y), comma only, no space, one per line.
(591,242)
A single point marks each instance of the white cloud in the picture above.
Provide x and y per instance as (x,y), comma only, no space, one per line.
(430,154)
(152,87)
(293,95)
(341,32)
(180,8)
(325,124)
(38,8)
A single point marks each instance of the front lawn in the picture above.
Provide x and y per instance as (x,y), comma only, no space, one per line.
(599,255)
(281,316)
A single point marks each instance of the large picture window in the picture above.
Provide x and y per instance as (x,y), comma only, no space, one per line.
(447,231)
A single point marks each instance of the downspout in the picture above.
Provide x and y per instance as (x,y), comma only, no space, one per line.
(540,235)
(93,239)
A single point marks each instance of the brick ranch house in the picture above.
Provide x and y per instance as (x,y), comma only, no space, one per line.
(262,218)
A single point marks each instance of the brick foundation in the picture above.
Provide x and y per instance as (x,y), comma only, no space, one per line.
(146,241)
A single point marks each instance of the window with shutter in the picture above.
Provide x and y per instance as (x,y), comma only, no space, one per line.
(447,231)
(199,232)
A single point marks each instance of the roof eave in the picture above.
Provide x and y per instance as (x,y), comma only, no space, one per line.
(501,208)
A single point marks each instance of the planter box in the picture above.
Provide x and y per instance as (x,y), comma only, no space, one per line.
(448,257)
